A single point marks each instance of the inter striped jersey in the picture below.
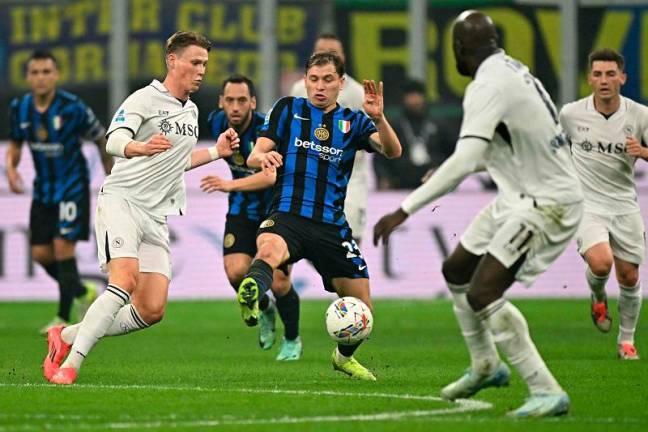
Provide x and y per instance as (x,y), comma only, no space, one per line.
(251,205)
(318,151)
(55,138)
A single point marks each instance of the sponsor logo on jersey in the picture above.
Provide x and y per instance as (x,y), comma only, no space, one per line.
(603,147)
(327,153)
(121,116)
(165,126)
(229,240)
(321,134)
(299,117)
(267,223)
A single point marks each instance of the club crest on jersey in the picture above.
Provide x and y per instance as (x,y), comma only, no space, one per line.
(628,129)
(229,240)
(321,134)
(57,122)
(238,159)
(267,223)
(42,133)
(165,126)
(344,126)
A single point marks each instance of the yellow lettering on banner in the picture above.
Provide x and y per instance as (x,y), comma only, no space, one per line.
(549,23)
(517,34)
(369,56)
(248,64)
(218,66)
(77,13)
(249,24)
(220,29)
(154,64)
(62,55)
(288,61)
(612,34)
(89,62)
(643,43)
(17,68)
(45,23)
(291,24)
(432,69)
(133,58)
(18,33)
(190,16)
(104,24)
(145,15)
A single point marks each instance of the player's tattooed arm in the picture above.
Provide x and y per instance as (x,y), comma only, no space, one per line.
(14,151)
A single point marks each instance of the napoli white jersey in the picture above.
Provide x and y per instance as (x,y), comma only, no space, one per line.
(510,108)
(351,96)
(155,183)
(605,169)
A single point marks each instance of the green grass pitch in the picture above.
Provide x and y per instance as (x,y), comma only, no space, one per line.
(201,369)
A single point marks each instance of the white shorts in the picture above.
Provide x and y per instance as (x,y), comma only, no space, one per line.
(125,231)
(624,233)
(355,204)
(483,227)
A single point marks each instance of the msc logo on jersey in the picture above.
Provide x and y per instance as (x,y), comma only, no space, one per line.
(267,223)
(183,129)
(321,134)
(601,147)
(586,146)
(165,126)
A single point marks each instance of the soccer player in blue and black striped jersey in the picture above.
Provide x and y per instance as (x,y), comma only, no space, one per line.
(311,143)
(54,122)
(250,195)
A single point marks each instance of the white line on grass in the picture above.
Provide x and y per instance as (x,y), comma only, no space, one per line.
(461,406)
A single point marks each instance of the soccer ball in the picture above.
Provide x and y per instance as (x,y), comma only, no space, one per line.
(348,320)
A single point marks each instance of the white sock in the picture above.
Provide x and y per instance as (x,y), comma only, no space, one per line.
(629,306)
(126,321)
(483,353)
(98,319)
(511,334)
(596,284)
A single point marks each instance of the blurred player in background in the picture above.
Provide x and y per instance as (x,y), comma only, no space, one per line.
(54,123)
(311,145)
(153,133)
(608,133)
(518,235)
(250,196)
(352,97)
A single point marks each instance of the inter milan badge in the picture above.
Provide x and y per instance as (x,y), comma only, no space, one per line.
(165,126)
(42,133)
(238,159)
(321,134)
(229,240)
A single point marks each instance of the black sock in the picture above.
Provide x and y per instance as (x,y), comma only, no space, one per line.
(264,302)
(288,307)
(51,269)
(348,350)
(261,272)
(70,286)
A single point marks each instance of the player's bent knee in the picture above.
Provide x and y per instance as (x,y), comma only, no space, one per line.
(151,314)
(600,266)
(628,278)
(451,272)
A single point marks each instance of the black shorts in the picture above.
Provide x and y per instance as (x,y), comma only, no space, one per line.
(68,219)
(240,235)
(330,248)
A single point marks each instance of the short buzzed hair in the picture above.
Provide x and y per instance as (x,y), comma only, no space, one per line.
(182,39)
(239,79)
(606,54)
(41,54)
(324,58)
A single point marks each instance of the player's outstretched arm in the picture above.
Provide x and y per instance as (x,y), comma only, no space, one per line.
(121,144)
(106,159)
(263,156)
(385,140)
(225,146)
(254,182)
(14,151)
(634,148)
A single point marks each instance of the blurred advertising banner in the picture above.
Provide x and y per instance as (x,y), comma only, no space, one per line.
(409,267)
(77,31)
(376,39)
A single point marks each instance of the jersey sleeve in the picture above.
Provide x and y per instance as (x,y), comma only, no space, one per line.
(217,122)
(365,128)
(130,114)
(15,131)
(484,109)
(89,126)
(277,121)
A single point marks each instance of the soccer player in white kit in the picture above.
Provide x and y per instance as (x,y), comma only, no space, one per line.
(352,97)
(153,133)
(511,126)
(608,133)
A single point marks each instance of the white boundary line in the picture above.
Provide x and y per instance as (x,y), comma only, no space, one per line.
(462,406)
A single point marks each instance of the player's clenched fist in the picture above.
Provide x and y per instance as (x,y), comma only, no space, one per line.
(227,142)
(271,161)
(634,148)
